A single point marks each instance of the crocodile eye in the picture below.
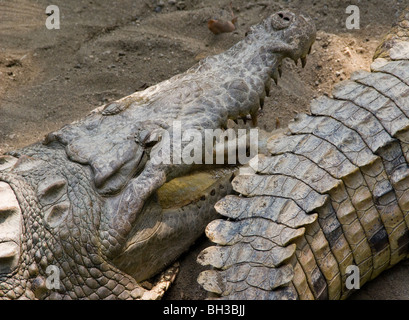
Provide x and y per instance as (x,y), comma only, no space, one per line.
(281,20)
(10,229)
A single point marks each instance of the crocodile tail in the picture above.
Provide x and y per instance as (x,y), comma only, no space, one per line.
(330,193)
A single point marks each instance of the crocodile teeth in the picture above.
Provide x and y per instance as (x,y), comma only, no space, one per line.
(253,116)
(280,70)
(267,87)
(303,61)
(275,76)
(261,103)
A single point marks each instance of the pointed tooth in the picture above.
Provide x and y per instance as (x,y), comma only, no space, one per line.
(267,91)
(295,61)
(261,103)
(267,87)
(253,116)
(303,61)
(244,119)
(275,76)
(280,70)
(235,121)
(309,50)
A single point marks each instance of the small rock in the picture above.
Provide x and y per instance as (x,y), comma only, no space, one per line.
(172,2)
(338,73)
(325,10)
(360,50)
(325,44)
(347,52)
(13,63)
(181,5)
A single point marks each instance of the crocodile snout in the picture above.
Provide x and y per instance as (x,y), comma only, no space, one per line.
(281,20)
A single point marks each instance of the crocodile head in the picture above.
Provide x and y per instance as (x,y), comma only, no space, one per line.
(289,33)
(93,210)
(50,220)
(55,238)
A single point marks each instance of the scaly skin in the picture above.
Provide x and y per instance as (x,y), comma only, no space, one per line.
(329,202)
(95,200)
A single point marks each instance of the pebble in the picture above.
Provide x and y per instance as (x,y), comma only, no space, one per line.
(181,5)
(360,50)
(347,52)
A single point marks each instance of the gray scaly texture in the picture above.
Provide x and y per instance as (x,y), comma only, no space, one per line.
(95,201)
(332,192)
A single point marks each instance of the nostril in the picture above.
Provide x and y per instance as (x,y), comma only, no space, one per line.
(283,16)
(281,20)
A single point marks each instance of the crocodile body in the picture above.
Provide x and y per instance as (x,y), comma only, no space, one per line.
(331,194)
(95,202)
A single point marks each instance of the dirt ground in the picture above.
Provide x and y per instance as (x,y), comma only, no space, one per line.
(105,50)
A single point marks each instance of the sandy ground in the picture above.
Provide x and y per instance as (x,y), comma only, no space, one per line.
(105,50)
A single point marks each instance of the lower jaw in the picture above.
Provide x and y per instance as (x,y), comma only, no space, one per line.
(172,220)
